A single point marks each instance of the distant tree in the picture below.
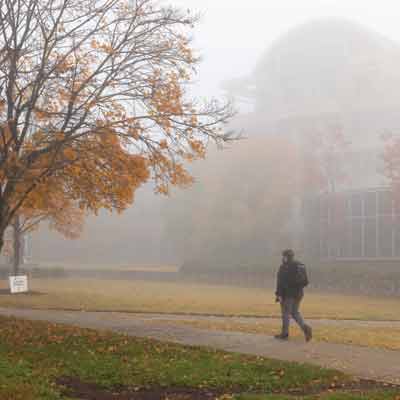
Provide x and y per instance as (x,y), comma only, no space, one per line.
(327,147)
(328,170)
(241,208)
(94,95)
(391,159)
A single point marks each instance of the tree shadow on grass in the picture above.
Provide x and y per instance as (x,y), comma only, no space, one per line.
(73,386)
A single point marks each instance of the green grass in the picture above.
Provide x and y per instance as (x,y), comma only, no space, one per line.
(34,354)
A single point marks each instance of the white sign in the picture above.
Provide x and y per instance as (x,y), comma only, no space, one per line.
(18,284)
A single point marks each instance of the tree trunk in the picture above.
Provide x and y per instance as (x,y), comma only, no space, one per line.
(18,245)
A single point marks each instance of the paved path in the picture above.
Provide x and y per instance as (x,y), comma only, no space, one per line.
(359,361)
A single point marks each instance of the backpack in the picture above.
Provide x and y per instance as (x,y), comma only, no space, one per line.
(300,278)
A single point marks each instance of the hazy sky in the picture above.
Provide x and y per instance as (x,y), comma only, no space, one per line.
(234,33)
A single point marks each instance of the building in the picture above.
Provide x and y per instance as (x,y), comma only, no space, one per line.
(325,72)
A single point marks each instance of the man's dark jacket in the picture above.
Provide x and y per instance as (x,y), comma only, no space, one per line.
(286,283)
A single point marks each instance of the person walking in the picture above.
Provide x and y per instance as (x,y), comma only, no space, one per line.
(291,281)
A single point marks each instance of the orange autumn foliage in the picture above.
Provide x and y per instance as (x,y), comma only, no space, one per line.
(49,203)
(93,113)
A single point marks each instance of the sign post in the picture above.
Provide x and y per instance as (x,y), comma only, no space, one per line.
(18,284)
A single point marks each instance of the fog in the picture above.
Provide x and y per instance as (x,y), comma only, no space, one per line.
(233,35)
(247,202)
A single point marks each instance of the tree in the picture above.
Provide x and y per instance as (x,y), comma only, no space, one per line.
(328,164)
(391,163)
(62,214)
(241,209)
(94,95)
(50,203)
(326,150)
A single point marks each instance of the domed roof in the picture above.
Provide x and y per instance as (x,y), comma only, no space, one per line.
(328,65)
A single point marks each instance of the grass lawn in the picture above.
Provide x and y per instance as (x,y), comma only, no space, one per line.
(164,297)
(45,361)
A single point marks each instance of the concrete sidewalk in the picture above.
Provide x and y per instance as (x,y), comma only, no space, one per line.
(383,365)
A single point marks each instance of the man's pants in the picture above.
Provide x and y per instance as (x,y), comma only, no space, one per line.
(290,307)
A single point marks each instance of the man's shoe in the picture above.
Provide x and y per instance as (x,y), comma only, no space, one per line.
(308,333)
(281,337)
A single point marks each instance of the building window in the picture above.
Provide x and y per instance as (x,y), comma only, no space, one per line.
(370,204)
(354,225)
(385,203)
(356,238)
(370,242)
(356,205)
(385,237)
